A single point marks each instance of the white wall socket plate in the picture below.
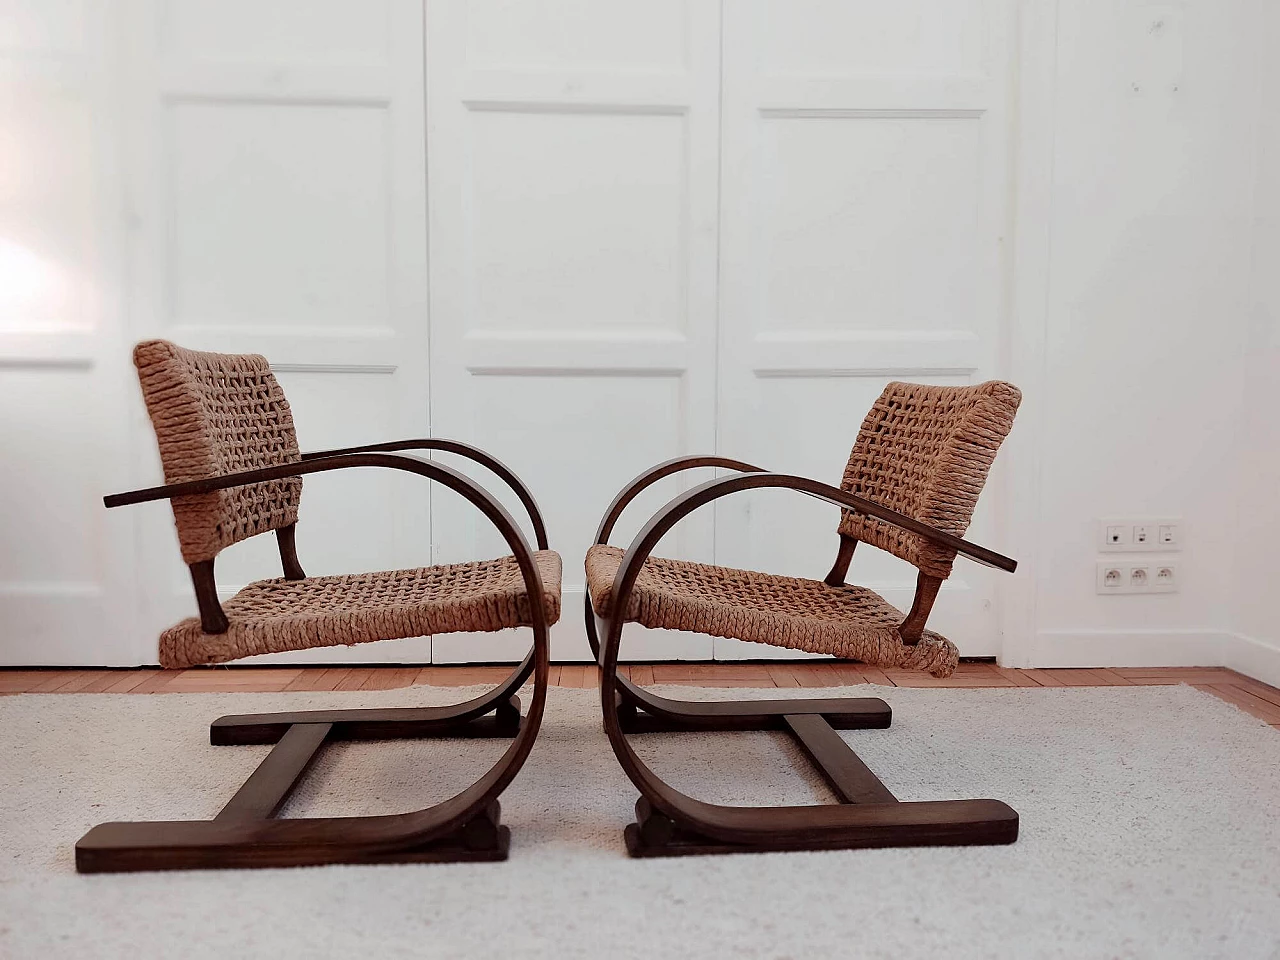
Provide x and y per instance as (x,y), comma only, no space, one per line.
(1129,576)
(1141,534)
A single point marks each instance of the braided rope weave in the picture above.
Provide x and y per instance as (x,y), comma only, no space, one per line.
(925,452)
(271,616)
(850,622)
(215,414)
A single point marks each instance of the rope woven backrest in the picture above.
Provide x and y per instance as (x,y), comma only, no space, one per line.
(925,452)
(214,414)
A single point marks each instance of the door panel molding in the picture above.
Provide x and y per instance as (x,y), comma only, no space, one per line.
(574,265)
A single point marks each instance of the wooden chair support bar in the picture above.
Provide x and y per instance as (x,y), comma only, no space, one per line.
(270,785)
(912,627)
(849,778)
(840,567)
(394,723)
(212,617)
(650,713)
(286,540)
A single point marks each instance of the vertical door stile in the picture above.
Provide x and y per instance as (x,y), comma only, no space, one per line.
(864,203)
(573,157)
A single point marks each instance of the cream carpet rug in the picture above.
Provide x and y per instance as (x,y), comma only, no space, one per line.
(1150,828)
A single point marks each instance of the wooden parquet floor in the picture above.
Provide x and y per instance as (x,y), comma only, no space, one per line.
(1250,695)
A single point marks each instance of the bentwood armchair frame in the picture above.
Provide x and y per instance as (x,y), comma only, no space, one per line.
(464,827)
(671,823)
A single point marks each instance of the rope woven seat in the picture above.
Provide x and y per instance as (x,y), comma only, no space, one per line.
(850,622)
(271,616)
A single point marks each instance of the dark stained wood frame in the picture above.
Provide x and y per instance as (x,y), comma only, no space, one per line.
(671,823)
(466,827)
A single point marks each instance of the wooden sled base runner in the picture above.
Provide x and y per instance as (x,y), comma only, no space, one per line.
(244,834)
(867,815)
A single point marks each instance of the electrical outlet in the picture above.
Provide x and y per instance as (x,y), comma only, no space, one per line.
(1157,534)
(1164,578)
(1111,578)
(1124,576)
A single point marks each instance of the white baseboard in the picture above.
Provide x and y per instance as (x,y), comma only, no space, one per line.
(1254,658)
(1127,648)
(1155,648)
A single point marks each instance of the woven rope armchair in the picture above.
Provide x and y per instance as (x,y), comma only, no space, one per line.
(910,487)
(233,471)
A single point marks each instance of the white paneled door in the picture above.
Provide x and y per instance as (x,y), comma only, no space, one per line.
(67,581)
(585,235)
(573,169)
(863,210)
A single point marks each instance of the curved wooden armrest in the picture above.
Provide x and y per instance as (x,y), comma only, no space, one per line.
(656,473)
(493,464)
(698,496)
(477,495)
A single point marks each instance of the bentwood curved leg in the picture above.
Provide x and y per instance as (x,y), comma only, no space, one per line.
(465,827)
(672,823)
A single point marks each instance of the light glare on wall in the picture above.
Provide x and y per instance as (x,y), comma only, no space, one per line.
(34,292)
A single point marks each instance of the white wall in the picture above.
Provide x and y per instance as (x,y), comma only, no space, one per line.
(1255,622)
(1143,247)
